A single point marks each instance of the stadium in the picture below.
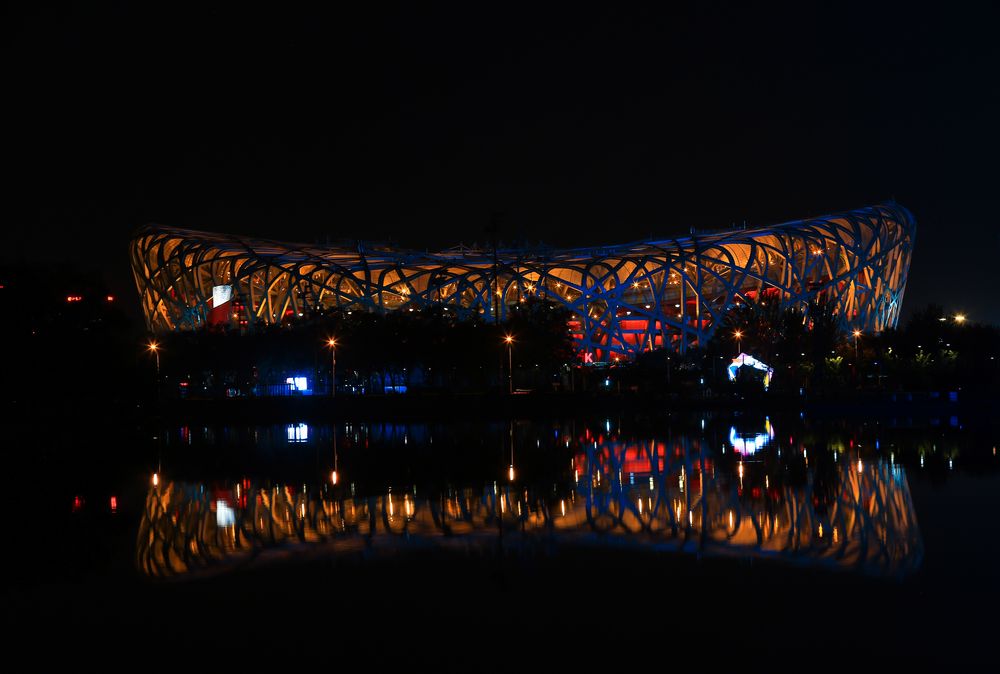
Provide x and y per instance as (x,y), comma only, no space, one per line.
(624,299)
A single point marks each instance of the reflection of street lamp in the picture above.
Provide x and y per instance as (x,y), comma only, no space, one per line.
(739,342)
(509,340)
(332,343)
(333,475)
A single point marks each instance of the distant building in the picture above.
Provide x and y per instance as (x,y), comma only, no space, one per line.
(625,299)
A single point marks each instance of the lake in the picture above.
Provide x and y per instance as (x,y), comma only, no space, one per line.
(770,532)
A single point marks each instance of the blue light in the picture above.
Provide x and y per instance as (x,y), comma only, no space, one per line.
(298,383)
(297,432)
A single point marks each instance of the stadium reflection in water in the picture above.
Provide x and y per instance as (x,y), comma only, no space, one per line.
(675,494)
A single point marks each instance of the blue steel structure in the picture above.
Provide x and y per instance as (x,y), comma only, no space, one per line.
(624,298)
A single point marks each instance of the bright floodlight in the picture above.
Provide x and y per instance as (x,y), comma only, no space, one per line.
(960,318)
(737,334)
(153,346)
(857,333)
(331,342)
(508,339)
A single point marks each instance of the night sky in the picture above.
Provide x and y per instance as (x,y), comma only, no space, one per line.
(571,127)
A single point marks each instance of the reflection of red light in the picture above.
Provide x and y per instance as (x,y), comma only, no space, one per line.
(114,503)
(184,383)
(77,504)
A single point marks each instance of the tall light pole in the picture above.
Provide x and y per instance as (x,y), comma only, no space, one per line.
(856,333)
(332,343)
(509,340)
(510,471)
(155,349)
(739,342)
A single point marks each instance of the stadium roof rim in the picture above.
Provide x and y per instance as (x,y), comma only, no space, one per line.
(379,249)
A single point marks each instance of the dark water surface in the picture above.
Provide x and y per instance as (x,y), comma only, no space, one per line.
(736,533)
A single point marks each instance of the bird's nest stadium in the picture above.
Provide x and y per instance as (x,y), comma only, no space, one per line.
(624,299)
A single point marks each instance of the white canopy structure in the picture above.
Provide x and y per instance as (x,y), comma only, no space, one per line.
(749,361)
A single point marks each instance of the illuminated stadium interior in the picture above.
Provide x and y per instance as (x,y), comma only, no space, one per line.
(624,299)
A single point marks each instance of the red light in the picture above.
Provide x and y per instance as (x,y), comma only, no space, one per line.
(110,298)
(77,504)
(74,298)
(114,503)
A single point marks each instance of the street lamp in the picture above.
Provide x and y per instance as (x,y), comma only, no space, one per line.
(509,340)
(155,349)
(857,333)
(960,318)
(510,471)
(739,342)
(332,343)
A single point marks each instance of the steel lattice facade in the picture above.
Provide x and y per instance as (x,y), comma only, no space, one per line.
(624,299)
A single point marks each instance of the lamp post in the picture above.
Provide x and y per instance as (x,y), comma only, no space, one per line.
(332,343)
(856,333)
(155,349)
(509,340)
(510,471)
(739,342)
